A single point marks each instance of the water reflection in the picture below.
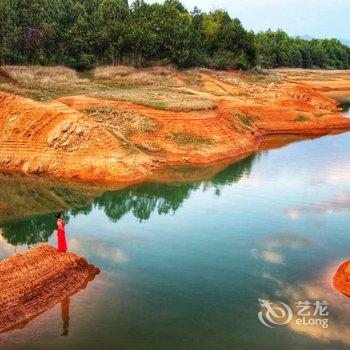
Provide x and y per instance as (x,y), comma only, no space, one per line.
(139,200)
(337,205)
(270,248)
(65,315)
(102,249)
(30,231)
(345,105)
(338,318)
(22,197)
(210,262)
(142,200)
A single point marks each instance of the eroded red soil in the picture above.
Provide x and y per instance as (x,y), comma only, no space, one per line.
(341,279)
(332,83)
(52,138)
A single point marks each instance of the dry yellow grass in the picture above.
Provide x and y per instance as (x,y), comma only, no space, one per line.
(111,72)
(150,147)
(125,121)
(43,77)
(241,122)
(42,83)
(167,99)
(123,76)
(155,87)
(191,140)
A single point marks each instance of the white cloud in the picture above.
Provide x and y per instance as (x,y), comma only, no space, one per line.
(321,289)
(268,255)
(338,205)
(103,249)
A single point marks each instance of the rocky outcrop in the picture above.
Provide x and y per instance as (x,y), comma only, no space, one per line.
(33,282)
(341,279)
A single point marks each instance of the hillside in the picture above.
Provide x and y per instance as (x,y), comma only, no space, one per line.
(121,124)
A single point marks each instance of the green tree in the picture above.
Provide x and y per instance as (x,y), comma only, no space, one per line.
(111,16)
(83,33)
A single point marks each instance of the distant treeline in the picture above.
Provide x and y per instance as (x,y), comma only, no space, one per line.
(84,33)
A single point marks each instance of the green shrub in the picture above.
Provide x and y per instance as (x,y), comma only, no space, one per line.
(301,118)
(190,139)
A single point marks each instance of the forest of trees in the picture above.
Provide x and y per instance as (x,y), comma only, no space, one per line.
(85,33)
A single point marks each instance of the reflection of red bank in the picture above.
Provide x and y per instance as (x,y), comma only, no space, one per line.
(341,279)
(65,315)
(35,281)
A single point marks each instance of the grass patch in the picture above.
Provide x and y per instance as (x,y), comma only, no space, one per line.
(149,147)
(128,146)
(153,87)
(125,121)
(185,139)
(111,72)
(241,122)
(301,118)
(127,77)
(193,78)
(165,98)
(42,83)
(48,78)
(246,120)
(157,104)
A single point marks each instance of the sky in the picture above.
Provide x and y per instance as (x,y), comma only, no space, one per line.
(317,18)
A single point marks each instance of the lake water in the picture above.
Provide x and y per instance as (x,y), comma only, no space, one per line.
(345,105)
(184,262)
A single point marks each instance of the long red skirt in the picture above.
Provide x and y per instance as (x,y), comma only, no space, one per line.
(61,241)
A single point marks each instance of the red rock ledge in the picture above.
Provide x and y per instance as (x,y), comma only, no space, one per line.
(35,281)
(341,279)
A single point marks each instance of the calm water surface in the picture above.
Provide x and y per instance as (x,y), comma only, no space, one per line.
(346,106)
(184,263)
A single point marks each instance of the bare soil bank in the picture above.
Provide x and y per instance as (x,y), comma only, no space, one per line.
(121,124)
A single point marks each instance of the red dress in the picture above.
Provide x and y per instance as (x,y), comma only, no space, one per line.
(61,236)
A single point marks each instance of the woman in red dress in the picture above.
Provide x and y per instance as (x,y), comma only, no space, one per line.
(61,234)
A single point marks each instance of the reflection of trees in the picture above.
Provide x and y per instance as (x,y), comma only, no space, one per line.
(234,172)
(85,210)
(30,230)
(29,196)
(345,105)
(140,200)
